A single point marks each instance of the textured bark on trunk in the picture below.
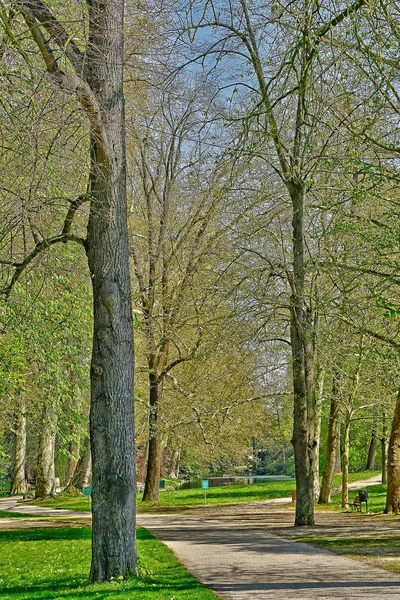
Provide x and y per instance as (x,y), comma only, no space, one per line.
(95,77)
(333,432)
(111,412)
(83,469)
(174,471)
(338,462)
(345,460)
(18,485)
(317,430)
(152,483)
(393,468)
(72,461)
(303,372)
(45,484)
(373,444)
(385,448)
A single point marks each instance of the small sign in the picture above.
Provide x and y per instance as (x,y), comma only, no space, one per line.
(204,484)
(87,490)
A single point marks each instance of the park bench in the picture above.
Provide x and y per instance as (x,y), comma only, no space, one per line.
(361,497)
(356,504)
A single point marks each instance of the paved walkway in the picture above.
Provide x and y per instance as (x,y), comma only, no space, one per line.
(241,560)
(244,562)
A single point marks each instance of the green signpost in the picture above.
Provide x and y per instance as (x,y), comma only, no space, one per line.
(88,492)
(204,485)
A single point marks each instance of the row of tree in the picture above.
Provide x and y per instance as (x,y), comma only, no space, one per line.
(247,180)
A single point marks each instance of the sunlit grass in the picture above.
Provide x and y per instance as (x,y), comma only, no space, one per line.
(221,495)
(54,564)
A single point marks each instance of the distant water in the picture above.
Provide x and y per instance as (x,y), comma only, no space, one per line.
(196,483)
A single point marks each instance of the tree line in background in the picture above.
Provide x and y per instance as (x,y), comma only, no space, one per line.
(238,163)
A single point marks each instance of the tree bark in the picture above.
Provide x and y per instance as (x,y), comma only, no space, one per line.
(385,448)
(18,484)
(95,77)
(317,430)
(393,468)
(333,431)
(370,466)
(45,484)
(303,371)
(152,483)
(111,412)
(71,463)
(83,469)
(345,460)
(338,463)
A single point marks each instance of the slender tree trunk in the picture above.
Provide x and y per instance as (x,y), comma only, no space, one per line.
(303,371)
(345,460)
(83,469)
(18,484)
(317,431)
(152,483)
(111,412)
(385,448)
(330,461)
(338,461)
(393,468)
(370,466)
(73,452)
(45,484)
(174,472)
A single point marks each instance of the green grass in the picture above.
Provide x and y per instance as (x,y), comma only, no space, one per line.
(54,564)
(222,495)
(182,499)
(5,514)
(376,493)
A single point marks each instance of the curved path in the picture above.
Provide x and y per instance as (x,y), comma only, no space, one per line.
(244,561)
(233,551)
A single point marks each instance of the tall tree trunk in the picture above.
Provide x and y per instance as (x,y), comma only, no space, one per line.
(384,447)
(95,76)
(175,461)
(345,459)
(317,430)
(73,453)
(373,444)
(111,412)
(152,483)
(338,459)
(303,371)
(333,430)
(18,484)
(83,469)
(45,483)
(393,468)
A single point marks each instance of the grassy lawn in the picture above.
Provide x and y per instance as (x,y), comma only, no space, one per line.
(222,495)
(376,502)
(54,564)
